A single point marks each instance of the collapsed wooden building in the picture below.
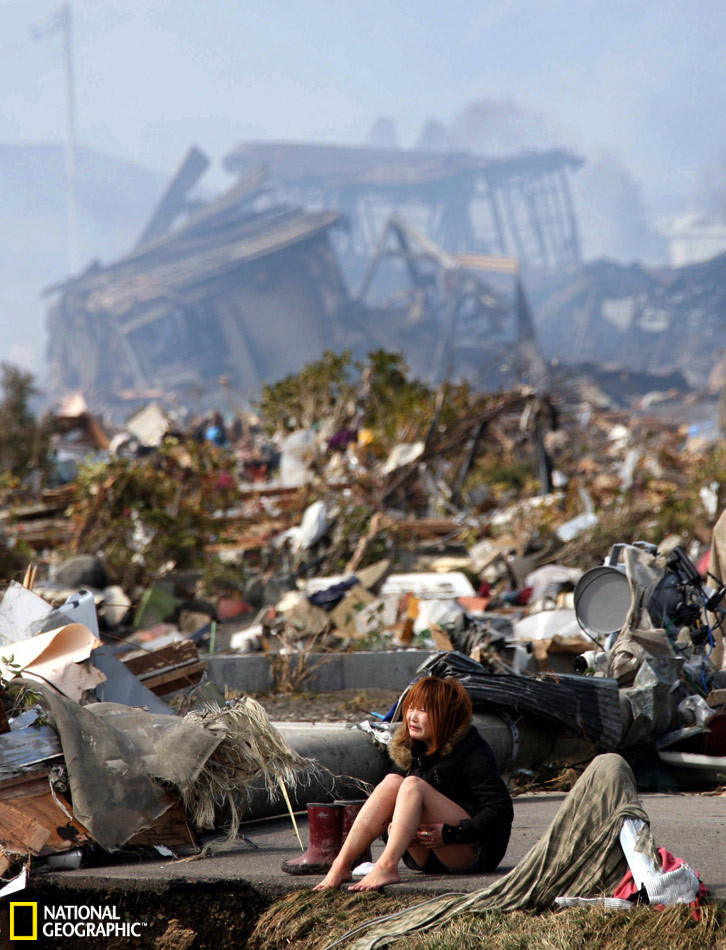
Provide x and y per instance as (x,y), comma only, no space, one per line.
(518,205)
(232,293)
(217,299)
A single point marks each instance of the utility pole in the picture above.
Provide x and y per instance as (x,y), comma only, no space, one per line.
(61,21)
(70,151)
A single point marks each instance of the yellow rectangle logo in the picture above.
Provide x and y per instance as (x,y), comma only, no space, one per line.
(34,919)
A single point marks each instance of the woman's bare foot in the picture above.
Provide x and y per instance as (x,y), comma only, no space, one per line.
(334,878)
(377,878)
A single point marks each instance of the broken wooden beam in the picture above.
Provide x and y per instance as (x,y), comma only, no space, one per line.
(173,667)
(172,201)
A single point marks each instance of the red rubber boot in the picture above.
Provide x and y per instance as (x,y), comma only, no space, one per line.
(326,829)
(349,815)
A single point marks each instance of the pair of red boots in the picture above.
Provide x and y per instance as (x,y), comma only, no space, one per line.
(329,826)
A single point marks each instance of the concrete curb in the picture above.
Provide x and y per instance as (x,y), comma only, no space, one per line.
(328,672)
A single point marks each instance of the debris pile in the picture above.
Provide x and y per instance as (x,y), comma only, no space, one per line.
(651,678)
(523,539)
(272,522)
(653,320)
(92,762)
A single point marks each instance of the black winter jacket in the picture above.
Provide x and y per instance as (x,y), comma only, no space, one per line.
(464,771)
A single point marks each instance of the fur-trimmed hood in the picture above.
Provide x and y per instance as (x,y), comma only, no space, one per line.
(403,756)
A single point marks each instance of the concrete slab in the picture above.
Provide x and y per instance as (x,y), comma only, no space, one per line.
(690,826)
(217,900)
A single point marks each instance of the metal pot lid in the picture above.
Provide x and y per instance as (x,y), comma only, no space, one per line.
(602,600)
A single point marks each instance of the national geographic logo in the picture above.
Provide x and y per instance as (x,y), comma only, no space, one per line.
(69,920)
(23,920)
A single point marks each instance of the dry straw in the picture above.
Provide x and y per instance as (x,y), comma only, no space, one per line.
(250,748)
(309,921)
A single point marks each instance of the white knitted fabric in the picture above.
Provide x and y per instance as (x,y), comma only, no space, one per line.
(679,886)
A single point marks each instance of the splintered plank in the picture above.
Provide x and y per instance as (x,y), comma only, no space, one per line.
(169,657)
(180,678)
(170,829)
(20,831)
(29,795)
(176,666)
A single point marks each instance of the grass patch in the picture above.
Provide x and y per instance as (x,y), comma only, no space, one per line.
(641,928)
(310,921)
(307,920)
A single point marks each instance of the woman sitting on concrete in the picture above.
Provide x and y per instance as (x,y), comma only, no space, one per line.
(444,804)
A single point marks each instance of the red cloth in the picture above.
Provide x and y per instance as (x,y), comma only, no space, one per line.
(524,597)
(485,590)
(626,889)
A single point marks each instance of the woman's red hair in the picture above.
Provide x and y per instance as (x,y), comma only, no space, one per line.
(448,706)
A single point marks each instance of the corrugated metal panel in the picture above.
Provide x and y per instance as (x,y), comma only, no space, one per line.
(23,748)
(585,706)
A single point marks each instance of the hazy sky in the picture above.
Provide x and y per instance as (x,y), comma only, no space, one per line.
(642,80)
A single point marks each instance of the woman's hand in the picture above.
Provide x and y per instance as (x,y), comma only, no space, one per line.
(429,836)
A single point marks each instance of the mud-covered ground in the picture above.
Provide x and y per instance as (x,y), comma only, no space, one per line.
(182,915)
(345,705)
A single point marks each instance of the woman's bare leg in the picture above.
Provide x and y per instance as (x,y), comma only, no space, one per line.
(417,803)
(370,823)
